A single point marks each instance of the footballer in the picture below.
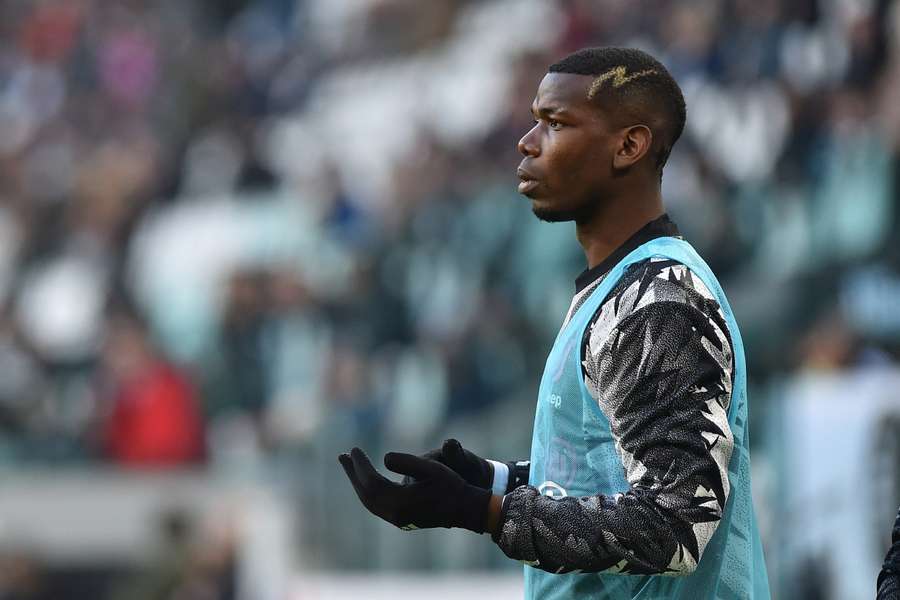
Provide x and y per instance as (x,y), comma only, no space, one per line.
(638,482)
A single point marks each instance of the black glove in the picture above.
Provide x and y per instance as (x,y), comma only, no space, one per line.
(438,497)
(474,469)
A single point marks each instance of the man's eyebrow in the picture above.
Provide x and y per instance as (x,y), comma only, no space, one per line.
(546,111)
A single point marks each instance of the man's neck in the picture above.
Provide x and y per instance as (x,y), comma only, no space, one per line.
(615,222)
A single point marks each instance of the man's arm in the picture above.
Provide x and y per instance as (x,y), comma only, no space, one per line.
(888,584)
(662,375)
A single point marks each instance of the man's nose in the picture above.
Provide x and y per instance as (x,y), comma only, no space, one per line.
(528,145)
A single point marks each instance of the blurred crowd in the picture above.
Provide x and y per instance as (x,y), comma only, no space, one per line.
(233,231)
(227,227)
(190,561)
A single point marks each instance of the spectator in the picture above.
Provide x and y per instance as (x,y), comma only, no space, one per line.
(154,417)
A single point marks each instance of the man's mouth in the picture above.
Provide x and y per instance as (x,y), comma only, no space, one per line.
(526,185)
(528,182)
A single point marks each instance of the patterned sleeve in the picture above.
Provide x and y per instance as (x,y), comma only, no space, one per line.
(658,360)
(888,584)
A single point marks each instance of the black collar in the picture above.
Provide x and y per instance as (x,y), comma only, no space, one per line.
(660,227)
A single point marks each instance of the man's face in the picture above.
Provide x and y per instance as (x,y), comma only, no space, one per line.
(567,164)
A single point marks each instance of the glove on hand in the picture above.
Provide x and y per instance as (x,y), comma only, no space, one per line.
(474,469)
(437,498)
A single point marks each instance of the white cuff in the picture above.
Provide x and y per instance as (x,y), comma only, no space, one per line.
(501,477)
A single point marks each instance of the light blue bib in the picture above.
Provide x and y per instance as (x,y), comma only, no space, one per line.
(573,454)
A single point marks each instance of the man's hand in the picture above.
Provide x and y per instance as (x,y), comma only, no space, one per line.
(438,497)
(474,469)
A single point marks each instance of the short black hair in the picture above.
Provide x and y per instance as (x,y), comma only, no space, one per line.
(636,85)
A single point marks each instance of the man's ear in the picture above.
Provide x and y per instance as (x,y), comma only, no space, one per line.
(634,144)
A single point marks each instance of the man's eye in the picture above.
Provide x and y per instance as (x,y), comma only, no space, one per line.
(554,124)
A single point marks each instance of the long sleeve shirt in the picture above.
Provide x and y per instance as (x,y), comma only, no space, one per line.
(657,358)
(888,584)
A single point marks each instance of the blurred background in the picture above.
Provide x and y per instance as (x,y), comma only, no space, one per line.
(240,236)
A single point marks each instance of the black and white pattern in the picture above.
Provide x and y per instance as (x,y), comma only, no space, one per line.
(888,584)
(657,357)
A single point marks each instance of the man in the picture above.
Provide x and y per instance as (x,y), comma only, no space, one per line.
(638,484)
(888,584)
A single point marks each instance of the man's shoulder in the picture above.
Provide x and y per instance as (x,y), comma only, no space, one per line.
(658,303)
(657,289)
(660,279)
(656,280)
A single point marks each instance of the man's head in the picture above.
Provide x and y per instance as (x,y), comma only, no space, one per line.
(605,122)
